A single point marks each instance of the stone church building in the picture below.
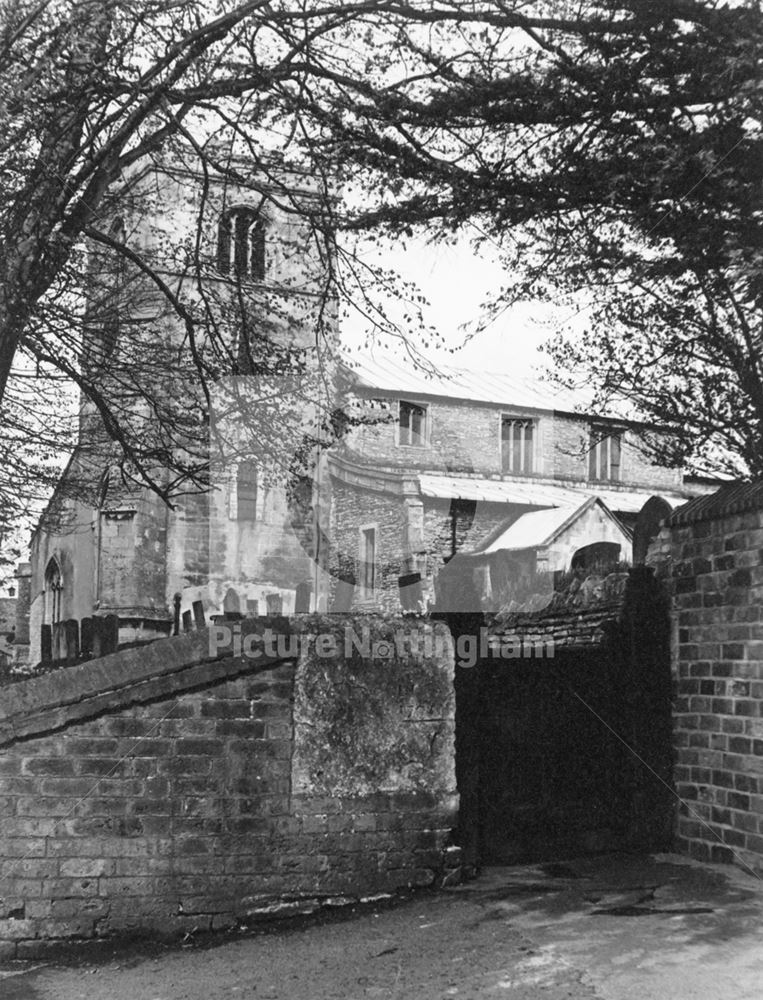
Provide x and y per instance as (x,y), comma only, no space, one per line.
(498,474)
(486,466)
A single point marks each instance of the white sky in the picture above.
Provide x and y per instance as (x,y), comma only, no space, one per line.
(456,281)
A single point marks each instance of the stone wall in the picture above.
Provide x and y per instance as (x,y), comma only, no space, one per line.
(465,437)
(175,788)
(68,536)
(397,552)
(132,569)
(353,509)
(210,551)
(717,571)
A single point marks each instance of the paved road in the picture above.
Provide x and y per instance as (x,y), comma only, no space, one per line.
(617,928)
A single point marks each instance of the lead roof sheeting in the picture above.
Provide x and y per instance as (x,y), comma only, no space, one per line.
(496,491)
(534,494)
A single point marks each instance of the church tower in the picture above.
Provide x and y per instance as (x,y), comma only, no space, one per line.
(212,330)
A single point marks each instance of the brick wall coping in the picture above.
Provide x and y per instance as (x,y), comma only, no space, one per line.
(733,498)
(163,668)
(133,676)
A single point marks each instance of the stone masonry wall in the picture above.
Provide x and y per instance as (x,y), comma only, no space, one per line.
(717,568)
(166,789)
(465,437)
(353,508)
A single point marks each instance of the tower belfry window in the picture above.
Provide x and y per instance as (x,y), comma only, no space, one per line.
(241,244)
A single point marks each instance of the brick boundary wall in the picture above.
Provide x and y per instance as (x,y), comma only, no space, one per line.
(717,582)
(164,789)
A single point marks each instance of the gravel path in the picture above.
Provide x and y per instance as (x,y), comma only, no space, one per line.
(620,927)
(428,948)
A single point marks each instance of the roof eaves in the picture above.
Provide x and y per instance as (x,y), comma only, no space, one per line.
(364,385)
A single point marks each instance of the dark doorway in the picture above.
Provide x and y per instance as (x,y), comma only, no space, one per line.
(571,754)
(598,555)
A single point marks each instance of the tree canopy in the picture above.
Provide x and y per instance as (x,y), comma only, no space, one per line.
(611,151)
(92,96)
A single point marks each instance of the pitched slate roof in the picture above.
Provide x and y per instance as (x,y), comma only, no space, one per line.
(537,528)
(541,527)
(532,530)
(385,373)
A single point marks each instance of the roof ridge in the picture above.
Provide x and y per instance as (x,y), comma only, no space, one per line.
(350,355)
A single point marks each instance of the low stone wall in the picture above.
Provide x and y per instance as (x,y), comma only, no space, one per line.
(544,633)
(717,571)
(171,789)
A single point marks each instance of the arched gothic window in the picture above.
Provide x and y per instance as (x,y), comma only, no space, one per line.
(241,244)
(53,592)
